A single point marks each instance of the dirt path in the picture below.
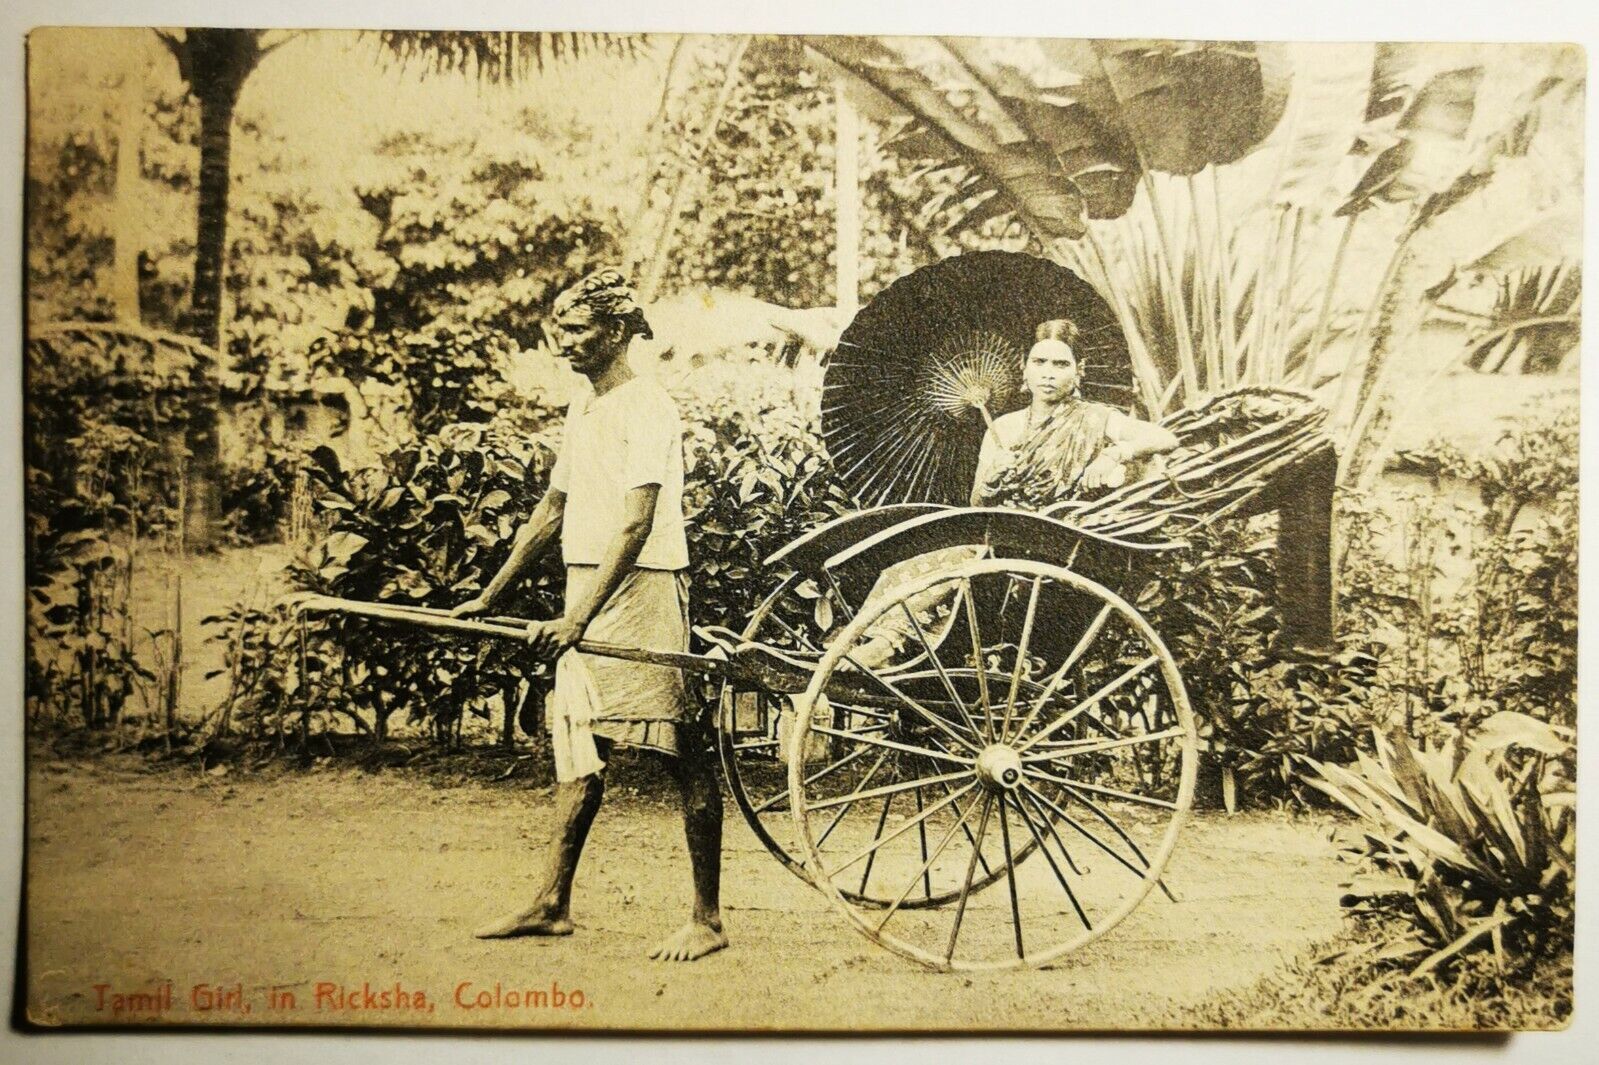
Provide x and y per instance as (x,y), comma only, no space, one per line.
(343,877)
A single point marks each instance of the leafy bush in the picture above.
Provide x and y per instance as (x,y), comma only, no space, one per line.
(755,477)
(484,233)
(81,647)
(443,375)
(763,220)
(257,494)
(1482,833)
(1476,606)
(280,677)
(103,414)
(428,528)
(1213,605)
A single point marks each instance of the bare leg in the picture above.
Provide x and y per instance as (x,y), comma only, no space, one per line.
(702,826)
(576,803)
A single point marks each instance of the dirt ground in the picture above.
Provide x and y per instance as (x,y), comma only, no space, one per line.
(261,887)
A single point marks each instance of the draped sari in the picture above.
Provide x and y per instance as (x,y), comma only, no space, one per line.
(1047,466)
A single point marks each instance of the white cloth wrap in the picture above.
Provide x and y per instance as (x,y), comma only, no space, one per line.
(573,705)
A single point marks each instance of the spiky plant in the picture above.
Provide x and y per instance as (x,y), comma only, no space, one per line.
(1482,833)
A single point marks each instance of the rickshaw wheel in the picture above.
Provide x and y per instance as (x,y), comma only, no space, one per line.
(747,728)
(1096,773)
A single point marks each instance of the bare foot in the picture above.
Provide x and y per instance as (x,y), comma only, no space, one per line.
(538,921)
(694,940)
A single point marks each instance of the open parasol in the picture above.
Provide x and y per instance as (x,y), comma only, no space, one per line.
(938,354)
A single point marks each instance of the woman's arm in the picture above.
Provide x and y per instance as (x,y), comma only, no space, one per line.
(1135,439)
(1130,440)
(988,462)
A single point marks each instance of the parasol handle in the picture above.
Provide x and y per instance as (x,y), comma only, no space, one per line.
(987,417)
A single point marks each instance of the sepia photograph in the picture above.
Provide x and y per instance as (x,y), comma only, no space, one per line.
(651,532)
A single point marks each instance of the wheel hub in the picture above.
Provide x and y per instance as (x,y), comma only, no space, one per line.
(999,768)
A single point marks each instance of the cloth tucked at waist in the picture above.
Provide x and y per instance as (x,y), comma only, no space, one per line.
(650,610)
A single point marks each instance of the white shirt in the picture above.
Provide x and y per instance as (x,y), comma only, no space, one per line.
(630,437)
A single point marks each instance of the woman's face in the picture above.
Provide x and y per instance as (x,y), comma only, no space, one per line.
(1051,371)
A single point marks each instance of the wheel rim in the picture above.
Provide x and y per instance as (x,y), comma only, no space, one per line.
(1096,773)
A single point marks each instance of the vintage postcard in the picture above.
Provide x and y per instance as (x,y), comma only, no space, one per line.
(613,531)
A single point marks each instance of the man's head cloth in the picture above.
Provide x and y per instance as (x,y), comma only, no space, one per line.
(603,296)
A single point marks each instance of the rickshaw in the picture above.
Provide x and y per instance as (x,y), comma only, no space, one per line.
(954,721)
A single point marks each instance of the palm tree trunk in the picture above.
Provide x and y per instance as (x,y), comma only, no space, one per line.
(1359,367)
(205,312)
(1397,305)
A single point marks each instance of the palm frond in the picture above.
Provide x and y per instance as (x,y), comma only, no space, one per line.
(496,58)
(1536,324)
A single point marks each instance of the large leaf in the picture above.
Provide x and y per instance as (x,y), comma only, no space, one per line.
(916,79)
(1418,112)
(1192,104)
(1511,729)
(1332,83)
(1076,123)
(1061,130)
(1551,236)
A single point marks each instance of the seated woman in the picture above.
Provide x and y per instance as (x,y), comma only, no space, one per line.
(1060,446)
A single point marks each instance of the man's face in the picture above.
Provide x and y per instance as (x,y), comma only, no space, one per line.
(588,344)
(1051,371)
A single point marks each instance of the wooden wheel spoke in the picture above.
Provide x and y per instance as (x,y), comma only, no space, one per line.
(882,819)
(1021,656)
(978,663)
(892,745)
(921,833)
(921,874)
(938,665)
(795,633)
(1093,700)
(1010,879)
(921,710)
(1089,635)
(920,821)
(1142,874)
(886,789)
(878,715)
(1130,796)
(1049,752)
(848,801)
(859,752)
(838,593)
(1050,858)
(969,838)
(971,870)
(1110,822)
